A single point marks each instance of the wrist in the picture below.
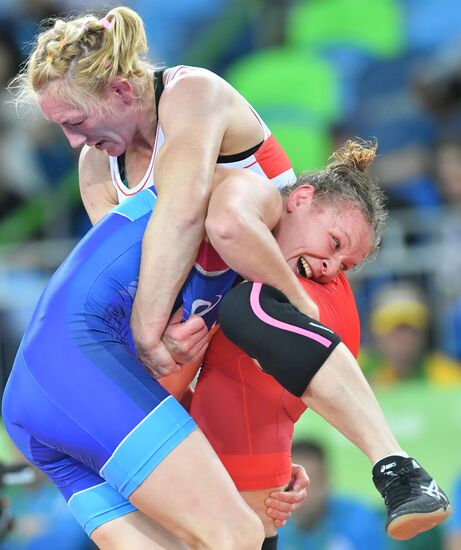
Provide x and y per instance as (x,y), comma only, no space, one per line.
(146,334)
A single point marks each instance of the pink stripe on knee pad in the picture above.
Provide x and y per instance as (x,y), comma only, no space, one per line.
(265,318)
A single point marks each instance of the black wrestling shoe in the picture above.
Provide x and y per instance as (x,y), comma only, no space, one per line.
(414,501)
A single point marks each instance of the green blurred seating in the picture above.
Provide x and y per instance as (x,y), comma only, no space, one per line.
(287,76)
(375,26)
(307,147)
(425,418)
(297,95)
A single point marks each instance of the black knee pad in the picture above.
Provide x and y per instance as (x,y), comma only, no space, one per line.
(287,344)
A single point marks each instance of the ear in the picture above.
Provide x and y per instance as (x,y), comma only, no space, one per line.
(301,196)
(122,89)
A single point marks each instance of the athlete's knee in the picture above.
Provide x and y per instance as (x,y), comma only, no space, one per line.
(239,530)
(246,533)
(250,532)
(288,345)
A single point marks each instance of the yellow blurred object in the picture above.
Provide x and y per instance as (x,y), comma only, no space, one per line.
(390,316)
(436,368)
(396,306)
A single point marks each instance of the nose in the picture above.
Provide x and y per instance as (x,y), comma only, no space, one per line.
(331,267)
(74,138)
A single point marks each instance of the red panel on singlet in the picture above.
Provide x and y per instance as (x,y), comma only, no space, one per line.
(208,259)
(245,414)
(272,158)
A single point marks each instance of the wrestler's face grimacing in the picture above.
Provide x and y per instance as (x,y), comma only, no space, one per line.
(321,239)
(110,127)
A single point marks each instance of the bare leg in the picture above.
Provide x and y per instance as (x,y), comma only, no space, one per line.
(275,335)
(134,530)
(340,393)
(256,501)
(192,496)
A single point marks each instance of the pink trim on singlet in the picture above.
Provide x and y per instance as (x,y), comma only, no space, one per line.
(172,74)
(250,165)
(265,318)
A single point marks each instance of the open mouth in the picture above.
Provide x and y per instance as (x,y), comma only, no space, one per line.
(303,268)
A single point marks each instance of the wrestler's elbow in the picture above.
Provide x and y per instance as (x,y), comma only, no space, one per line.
(191,221)
(225,228)
(188,214)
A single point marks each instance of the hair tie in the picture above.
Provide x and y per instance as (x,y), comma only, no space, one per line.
(104,22)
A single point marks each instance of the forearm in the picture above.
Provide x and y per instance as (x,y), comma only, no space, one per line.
(168,253)
(171,239)
(249,247)
(243,210)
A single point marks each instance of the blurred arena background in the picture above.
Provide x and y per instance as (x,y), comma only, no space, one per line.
(318,72)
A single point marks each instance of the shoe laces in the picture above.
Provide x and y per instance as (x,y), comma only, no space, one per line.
(401,486)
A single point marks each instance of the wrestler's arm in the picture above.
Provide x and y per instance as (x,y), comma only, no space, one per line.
(195,113)
(98,194)
(243,209)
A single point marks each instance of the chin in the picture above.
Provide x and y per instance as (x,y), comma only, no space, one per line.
(114,150)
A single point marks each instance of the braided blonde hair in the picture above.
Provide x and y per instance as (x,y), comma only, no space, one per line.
(76,58)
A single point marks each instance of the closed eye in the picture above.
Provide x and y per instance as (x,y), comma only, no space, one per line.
(72,124)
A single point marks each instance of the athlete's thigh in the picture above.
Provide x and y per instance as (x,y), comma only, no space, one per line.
(257,501)
(195,492)
(107,409)
(90,498)
(110,520)
(135,530)
(115,425)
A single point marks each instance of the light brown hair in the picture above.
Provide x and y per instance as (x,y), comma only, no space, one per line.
(347,178)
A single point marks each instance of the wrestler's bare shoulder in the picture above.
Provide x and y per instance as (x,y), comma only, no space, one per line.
(93,165)
(193,87)
(209,102)
(96,188)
